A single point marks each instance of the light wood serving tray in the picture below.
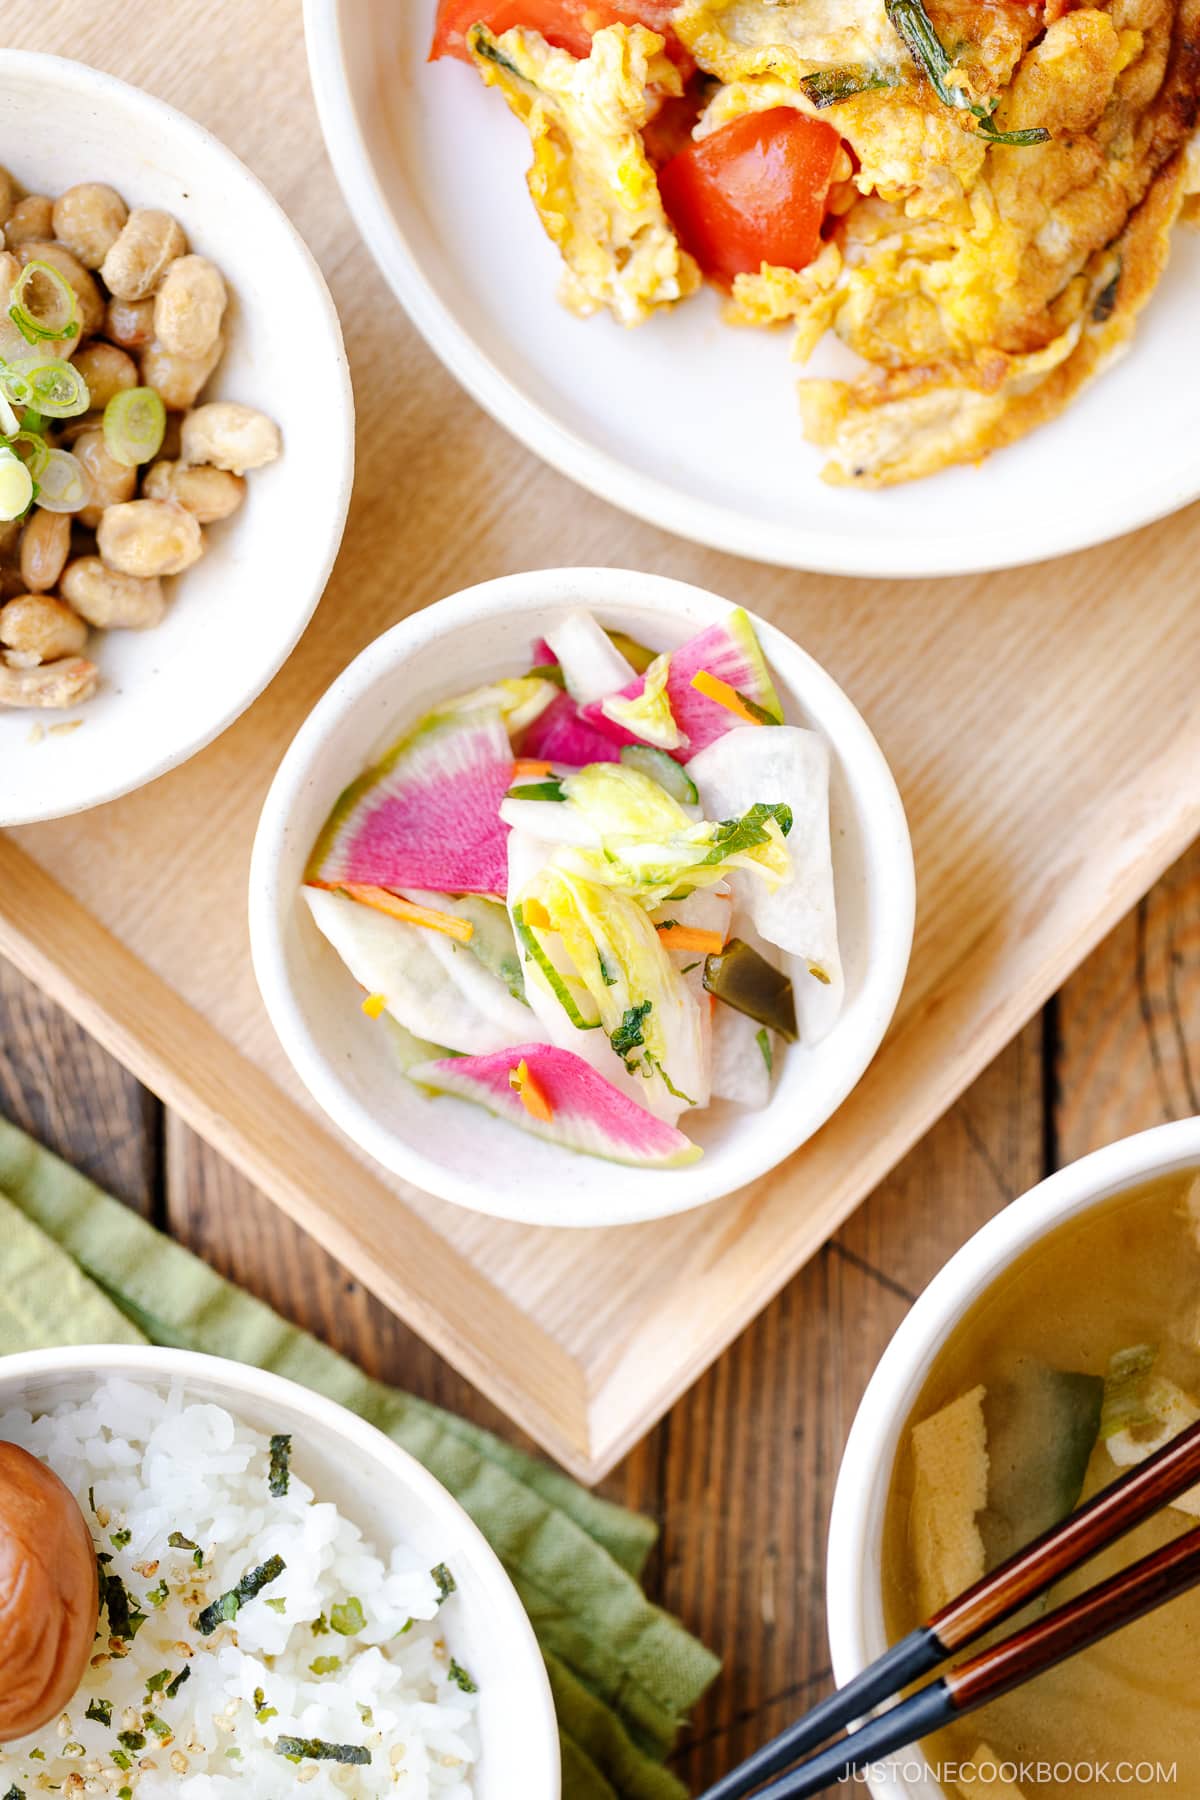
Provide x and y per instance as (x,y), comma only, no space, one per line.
(1044,727)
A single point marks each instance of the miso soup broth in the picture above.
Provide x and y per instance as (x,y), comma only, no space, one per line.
(1082,1359)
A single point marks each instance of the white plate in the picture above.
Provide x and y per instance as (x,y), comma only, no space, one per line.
(683,421)
(235,616)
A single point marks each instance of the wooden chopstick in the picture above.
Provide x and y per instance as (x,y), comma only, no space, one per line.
(1113,1512)
(1126,1596)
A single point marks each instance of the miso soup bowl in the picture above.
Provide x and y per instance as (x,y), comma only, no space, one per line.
(854,1569)
(448,1146)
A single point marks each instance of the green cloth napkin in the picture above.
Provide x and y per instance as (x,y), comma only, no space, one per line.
(80,1268)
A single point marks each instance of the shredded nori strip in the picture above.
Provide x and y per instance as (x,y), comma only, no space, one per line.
(316,1749)
(15,1793)
(173,1686)
(280,1476)
(132,1740)
(446,1584)
(229,1604)
(124,1621)
(100,1710)
(458,1675)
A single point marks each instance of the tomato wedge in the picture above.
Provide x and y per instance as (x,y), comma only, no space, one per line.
(567,24)
(752,193)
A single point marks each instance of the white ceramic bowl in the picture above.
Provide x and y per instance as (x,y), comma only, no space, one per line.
(855,1607)
(390,1497)
(236,615)
(457,1150)
(685,422)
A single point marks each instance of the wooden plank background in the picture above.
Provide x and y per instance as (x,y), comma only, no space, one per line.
(740,1474)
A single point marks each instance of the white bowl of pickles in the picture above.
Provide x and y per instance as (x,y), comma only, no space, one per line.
(155,444)
(582,898)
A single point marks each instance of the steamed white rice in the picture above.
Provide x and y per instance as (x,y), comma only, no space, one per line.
(146,1466)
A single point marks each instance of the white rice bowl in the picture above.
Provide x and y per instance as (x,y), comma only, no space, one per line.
(146,1466)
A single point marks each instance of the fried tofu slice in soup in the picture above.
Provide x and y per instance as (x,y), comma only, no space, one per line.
(590,180)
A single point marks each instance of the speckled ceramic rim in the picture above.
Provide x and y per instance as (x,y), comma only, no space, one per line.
(395,1467)
(80,84)
(790,545)
(885,836)
(855,1609)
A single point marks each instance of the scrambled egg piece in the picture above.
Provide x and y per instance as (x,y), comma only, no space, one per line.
(897,425)
(590,180)
(738,40)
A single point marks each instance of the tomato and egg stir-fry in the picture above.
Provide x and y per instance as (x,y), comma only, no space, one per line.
(976,196)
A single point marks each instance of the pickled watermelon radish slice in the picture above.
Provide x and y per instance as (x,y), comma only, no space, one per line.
(730,651)
(427,815)
(587,1113)
(559,735)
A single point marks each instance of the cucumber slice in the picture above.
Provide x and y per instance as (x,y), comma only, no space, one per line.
(1042,1426)
(663,768)
(557,983)
(492,940)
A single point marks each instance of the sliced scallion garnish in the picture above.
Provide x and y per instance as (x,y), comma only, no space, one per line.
(916,28)
(47,383)
(42,304)
(32,449)
(134,423)
(16,485)
(63,486)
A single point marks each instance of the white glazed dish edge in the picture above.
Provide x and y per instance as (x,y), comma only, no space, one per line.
(390,1496)
(636,416)
(855,1609)
(486,1164)
(235,616)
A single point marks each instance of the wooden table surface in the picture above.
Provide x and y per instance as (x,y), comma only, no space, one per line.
(740,1475)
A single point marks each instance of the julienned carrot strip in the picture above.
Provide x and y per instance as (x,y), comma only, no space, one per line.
(408,910)
(690,937)
(713,688)
(530,1093)
(524,769)
(374,1005)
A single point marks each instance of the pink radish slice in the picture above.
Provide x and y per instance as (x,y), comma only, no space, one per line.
(589,1114)
(427,815)
(560,735)
(543,656)
(730,651)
